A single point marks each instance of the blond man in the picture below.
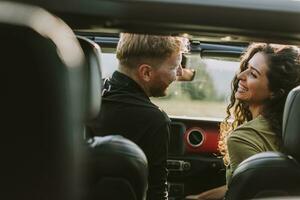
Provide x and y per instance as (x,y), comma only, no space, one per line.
(148,64)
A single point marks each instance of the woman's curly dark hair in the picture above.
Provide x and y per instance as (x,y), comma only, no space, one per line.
(283,75)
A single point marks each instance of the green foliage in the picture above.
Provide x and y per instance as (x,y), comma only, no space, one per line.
(202,87)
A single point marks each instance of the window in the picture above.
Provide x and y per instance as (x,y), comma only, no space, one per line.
(109,64)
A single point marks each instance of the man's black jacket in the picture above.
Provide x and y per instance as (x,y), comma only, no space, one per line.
(126,110)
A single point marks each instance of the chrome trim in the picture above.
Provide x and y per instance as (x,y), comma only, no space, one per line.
(188,136)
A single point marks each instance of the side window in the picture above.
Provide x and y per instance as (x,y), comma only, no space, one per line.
(207,95)
(109,64)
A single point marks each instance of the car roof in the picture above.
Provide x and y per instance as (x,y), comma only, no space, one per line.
(208,20)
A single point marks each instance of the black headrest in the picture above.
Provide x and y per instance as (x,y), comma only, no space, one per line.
(41,104)
(116,160)
(291,124)
(92,71)
(265,174)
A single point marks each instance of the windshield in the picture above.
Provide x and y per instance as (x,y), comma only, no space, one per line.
(205,97)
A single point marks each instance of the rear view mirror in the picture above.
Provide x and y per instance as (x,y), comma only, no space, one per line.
(187,75)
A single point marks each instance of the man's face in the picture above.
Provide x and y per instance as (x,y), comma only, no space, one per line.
(164,75)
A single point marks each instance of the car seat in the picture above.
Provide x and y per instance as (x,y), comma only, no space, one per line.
(41,105)
(272,173)
(116,168)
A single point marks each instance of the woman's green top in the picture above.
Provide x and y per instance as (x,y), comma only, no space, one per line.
(248,139)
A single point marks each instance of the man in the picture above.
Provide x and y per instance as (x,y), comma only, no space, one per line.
(147,66)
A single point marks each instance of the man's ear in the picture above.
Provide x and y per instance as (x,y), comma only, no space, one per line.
(145,72)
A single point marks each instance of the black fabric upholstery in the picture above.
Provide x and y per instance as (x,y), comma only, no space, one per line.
(291,124)
(271,173)
(41,105)
(117,169)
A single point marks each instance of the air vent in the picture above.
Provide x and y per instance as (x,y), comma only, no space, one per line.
(195,138)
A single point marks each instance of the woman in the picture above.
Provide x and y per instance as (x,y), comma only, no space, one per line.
(254,115)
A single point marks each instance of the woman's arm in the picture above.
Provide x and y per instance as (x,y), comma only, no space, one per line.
(213,194)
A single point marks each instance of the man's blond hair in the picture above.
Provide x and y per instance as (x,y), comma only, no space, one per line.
(136,49)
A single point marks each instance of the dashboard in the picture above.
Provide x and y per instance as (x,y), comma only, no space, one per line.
(193,160)
(190,137)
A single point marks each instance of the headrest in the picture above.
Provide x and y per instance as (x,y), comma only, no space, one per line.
(92,71)
(117,157)
(41,104)
(291,124)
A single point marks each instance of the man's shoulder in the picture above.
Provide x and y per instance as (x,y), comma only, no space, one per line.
(126,98)
(160,114)
(153,113)
(133,104)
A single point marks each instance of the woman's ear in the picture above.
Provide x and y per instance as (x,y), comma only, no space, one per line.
(277,94)
(280,92)
(145,72)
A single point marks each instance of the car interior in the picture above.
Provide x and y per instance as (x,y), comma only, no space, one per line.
(55,56)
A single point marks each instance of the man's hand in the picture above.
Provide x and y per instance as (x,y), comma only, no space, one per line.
(187,75)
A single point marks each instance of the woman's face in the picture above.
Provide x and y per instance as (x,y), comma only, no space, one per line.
(253,82)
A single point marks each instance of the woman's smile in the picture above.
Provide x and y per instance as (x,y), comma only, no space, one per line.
(242,89)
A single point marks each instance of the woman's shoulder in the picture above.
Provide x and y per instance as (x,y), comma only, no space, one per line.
(256,131)
(257,125)
(253,137)
(250,130)
(243,134)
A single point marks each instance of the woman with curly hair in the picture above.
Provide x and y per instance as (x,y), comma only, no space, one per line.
(254,115)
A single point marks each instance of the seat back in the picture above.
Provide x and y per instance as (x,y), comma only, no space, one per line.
(118,169)
(291,124)
(93,75)
(263,175)
(271,173)
(115,167)
(41,104)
